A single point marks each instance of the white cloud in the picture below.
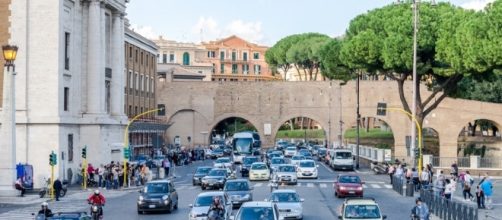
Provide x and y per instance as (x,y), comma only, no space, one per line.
(476,4)
(211,30)
(145,31)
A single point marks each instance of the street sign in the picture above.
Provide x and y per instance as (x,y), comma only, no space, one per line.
(381,109)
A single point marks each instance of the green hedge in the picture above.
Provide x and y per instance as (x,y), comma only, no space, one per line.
(373,133)
(318,133)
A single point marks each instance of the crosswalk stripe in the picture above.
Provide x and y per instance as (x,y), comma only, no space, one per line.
(376,186)
(258,184)
(299,184)
(388,186)
(310,185)
(365,186)
(323,185)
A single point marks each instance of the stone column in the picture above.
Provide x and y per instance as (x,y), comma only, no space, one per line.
(118,74)
(95,85)
(8,136)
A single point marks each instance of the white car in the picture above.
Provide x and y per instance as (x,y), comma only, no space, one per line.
(307,169)
(259,171)
(199,209)
(223,162)
(258,210)
(290,151)
(295,160)
(288,202)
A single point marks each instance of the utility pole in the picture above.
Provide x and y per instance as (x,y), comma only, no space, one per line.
(415,78)
(358,121)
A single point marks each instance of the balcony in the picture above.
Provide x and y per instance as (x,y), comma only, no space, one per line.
(234,61)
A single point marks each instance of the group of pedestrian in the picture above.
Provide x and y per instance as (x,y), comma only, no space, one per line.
(418,179)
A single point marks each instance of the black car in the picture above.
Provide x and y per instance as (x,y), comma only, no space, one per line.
(158,195)
(239,190)
(246,164)
(216,178)
(321,153)
(199,173)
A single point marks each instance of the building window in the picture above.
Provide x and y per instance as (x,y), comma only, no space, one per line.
(234,68)
(136,55)
(256,55)
(214,68)
(164,58)
(245,56)
(66,97)
(130,51)
(141,110)
(186,59)
(245,69)
(222,55)
(140,87)
(171,57)
(67,51)
(234,55)
(145,84)
(136,110)
(136,80)
(222,68)
(257,69)
(211,54)
(108,94)
(141,58)
(147,59)
(131,80)
(70,147)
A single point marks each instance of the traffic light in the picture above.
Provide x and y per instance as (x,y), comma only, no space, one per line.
(161,110)
(84,152)
(417,152)
(126,153)
(53,160)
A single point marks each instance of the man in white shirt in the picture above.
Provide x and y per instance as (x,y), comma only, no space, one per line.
(425,178)
(468,181)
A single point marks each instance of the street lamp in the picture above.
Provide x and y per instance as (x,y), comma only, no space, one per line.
(9,54)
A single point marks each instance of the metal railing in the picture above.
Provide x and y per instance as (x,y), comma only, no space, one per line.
(448,209)
(490,162)
(448,161)
(397,184)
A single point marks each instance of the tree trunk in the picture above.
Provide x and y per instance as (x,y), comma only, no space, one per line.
(298,72)
(291,125)
(367,124)
(305,74)
(474,129)
(301,126)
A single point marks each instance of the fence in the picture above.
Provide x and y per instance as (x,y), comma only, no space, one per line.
(397,184)
(448,161)
(493,162)
(448,209)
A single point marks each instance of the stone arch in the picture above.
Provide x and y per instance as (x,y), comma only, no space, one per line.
(283,119)
(480,136)
(431,141)
(389,122)
(254,121)
(188,124)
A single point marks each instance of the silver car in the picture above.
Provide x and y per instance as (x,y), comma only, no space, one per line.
(286,173)
(200,208)
(239,191)
(289,203)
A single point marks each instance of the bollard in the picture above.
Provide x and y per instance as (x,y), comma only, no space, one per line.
(410,189)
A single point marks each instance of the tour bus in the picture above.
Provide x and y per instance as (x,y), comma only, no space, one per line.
(245,144)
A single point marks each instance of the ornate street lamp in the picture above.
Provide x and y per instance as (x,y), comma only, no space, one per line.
(9,54)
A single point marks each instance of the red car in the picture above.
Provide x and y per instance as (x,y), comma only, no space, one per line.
(348,185)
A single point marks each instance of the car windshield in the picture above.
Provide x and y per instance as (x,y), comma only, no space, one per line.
(249,160)
(285,197)
(322,150)
(298,158)
(272,155)
(292,148)
(259,213)
(243,145)
(361,212)
(307,164)
(287,169)
(217,173)
(205,201)
(218,151)
(223,160)
(159,157)
(237,186)
(278,161)
(343,155)
(203,170)
(278,152)
(259,167)
(349,179)
(156,188)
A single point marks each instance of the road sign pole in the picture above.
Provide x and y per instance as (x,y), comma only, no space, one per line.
(84,174)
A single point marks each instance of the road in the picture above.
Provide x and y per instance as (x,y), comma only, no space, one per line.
(320,202)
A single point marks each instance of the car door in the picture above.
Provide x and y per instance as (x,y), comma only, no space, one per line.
(173,194)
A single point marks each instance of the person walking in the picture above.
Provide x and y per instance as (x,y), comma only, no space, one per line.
(420,211)
(467,185)
(454,170)
(425,178)
(480,197)
(449,188)
(101,172)
(391,171)
(58,186)
(487,188)
(166,164)
(19,186)
(415,179)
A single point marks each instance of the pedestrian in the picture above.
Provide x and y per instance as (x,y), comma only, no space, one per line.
(420,211)
(399,172)
(425,178)
(415,179)
(90,172)
(480,197)
(391,171)
(409,173)
(487,187)
(467,184)
(166,164)
(454,170)
(449,188)
(19,186)
(58,186)
(115,174)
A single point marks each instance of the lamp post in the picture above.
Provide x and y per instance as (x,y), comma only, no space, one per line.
(414,103)
(9,54)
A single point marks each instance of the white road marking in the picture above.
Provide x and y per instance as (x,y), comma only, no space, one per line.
(323,185)
(365,186)
(327,168)
(376,186)
(310,185)
(388,186)
(299,184)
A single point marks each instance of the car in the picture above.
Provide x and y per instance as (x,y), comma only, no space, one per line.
(275,162)
(286,173)
(239,191)
(290,151)
(361,208)
(278,153)
(342,159)
(216,178)
(288,202)
(305,153)
(158,195)
(200,208)
(295,160)
(258,210)
(348,185)
(307,169)
(217,153)
(199,174)
(208,154)
(223,162)
(259,171)
(321,154)
(227,150)
(246,164)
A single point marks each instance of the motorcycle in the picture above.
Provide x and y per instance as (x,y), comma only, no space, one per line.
(379,168)
(215,215)
(96,212)
(46,189)
(274,185)
(39,216)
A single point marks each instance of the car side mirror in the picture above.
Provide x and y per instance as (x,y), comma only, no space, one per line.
(190,205)
(384,217)
(302,200)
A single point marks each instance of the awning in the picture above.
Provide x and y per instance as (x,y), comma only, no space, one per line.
(148,127)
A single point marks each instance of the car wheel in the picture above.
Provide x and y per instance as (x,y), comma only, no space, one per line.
(176,206)
(170,208)
(140,212)
(203,187)
(193,183)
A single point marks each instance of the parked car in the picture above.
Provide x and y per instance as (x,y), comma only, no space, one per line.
(307,169)
(258,210)
(200,208)
(158,195)
(361,208)
(259,171)
(246,164)
(348,185)
(199,174)
(295,160)
(286,173)
(216,178)
(239,191)
(288,202)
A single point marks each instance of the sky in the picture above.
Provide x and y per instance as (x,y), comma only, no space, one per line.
(259,21)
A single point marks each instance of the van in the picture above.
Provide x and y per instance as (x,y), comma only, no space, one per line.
(342,159)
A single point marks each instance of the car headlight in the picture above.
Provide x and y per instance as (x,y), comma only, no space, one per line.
(297,210)
(221,180)
(165,197)
(359,188)
(141,198)
(342,188)
(247,196)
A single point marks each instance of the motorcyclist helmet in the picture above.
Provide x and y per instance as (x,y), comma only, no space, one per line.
(45,205)
(96,192)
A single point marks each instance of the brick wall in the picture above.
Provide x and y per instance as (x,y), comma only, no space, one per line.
(4,36)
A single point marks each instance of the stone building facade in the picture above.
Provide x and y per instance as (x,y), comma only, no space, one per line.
(69,84)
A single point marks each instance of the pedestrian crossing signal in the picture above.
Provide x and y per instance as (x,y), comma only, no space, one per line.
(126,153)
(53,159)
(84,152)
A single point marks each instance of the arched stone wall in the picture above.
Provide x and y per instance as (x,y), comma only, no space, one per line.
(187,123)
(285,118)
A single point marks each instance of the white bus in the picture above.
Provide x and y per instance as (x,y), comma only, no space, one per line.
(245,144)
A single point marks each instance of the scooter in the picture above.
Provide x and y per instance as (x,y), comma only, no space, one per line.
(96,212)
(379,169)
(46,188)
